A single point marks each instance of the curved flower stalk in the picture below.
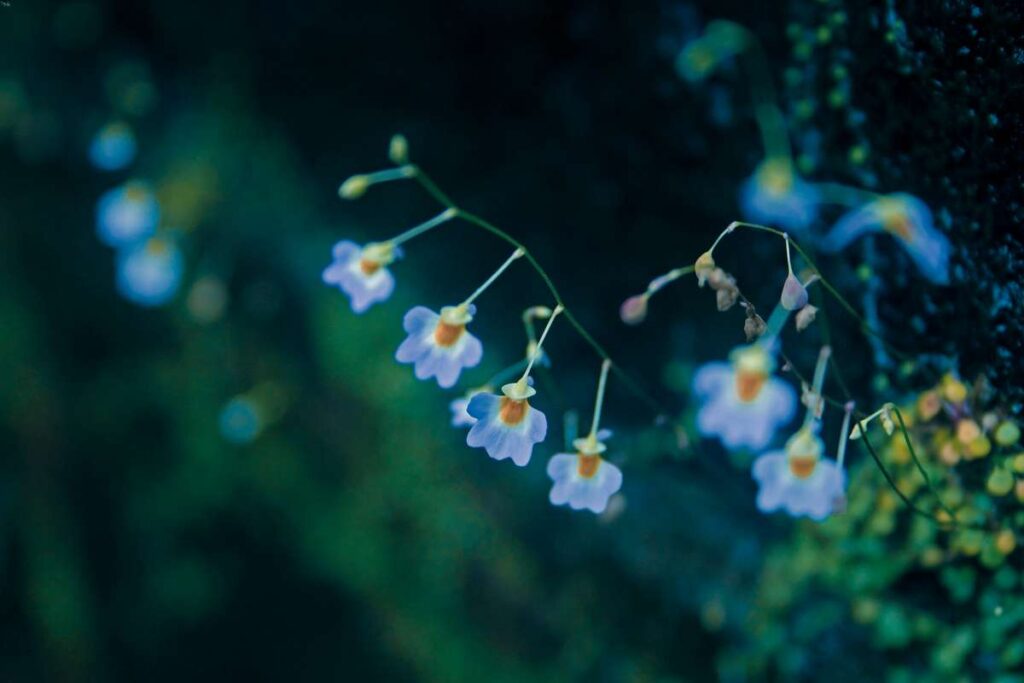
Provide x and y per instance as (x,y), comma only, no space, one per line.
(439,345)
(507,426)
(798,480)
(906,218)
(585,480)
(357,185)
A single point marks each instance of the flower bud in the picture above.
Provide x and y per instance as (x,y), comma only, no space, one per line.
(354,187)
(887,422)
(754,326)
(794,296)
(703,267)
(398,151)
(634,309)
(805,317)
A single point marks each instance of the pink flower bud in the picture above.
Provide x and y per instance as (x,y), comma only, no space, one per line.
(794,296)
(634,309)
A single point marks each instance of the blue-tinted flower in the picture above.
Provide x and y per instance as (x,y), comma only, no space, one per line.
(439,345)
(507,426)
(240,420)
(127,214)
(906,218)
(798,480)
(460,416)
(741,403)
(584,480)
(149,273)
(362,273)
(776,195)
(113,147)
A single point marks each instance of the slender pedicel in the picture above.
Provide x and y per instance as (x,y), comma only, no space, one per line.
(599,400)
(357,185)
(494,276)
(789,259)
(504,374)
(776,321)
(843,439)
(437,220)
(814,410)
(540,343)
(732,226)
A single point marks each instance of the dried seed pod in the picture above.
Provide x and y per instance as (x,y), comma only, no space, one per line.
(805,317)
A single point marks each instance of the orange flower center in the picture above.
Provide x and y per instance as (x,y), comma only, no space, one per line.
(587,464)
(511,411)
(749,384)
(802,466)
(368,266)
(898,224)
(446,334)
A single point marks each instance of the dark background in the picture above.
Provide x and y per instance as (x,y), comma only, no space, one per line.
(357,538)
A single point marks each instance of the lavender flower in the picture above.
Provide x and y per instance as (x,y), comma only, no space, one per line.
(439,345)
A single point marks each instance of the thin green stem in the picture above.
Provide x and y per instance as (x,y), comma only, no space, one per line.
(599,400)
(770,122)
(433,190)
(920,467)
(866,443)
(423,227)
(494,276)
(506,373)
(540,342)
(819,382)
(844,435)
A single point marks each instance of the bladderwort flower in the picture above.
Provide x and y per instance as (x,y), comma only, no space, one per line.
(776,195)
(113,147)
(149,272)
(127,214)
(741,402)
(584,480)
(460,416)
(798,479)
(906,218)
(507,426)
(438,344)
(362,272)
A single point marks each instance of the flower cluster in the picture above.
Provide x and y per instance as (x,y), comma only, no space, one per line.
(505,424)
(149,261)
